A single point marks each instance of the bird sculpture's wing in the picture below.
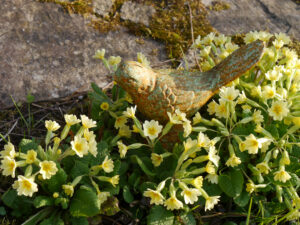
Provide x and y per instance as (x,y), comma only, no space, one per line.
(188,91)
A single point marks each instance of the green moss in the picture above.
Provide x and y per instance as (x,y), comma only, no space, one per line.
(170,24)
(219,6)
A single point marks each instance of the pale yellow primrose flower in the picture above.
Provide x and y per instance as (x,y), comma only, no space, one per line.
(152,129)
(220,40)
(104,106)
(282,176)
(71,119)
(212,155)
(99,54)
(31,156)
(251,36)
(221,109)
(187,128)
(68,189)
(9,150)
(264,36)
(102,196)
(130,112)
(107,165)
(173,203)
(156,159)
(197,182)
(209,168)
(89,135)
(233,161)
(114,60)
(48,169)
(125,131)
(155,196)
(80,146)
(212,178)
(268,92)
(122,149)
(25,186)
(202,140)
(93,147)
(189,143)
(279,110)
(273,75)
(86,122)
(250,187)
(252,144)
(190,195)
(229,93)
(257,117)
(211,202)
(211,107)
(51,125)
(120,121)
(8,165)
(197,118)
(114,180)
(283,37)
(230,47)
(278,43)
(263,167)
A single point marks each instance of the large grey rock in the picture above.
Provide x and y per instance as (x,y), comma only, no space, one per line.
(49,53)
(248,15)
(137,13)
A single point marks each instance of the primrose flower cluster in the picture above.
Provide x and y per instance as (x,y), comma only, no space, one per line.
(249,130)
(37,167)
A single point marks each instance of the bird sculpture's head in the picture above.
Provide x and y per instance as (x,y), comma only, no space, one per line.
(134,77)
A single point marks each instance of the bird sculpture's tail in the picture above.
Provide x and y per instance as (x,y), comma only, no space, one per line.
(239,62)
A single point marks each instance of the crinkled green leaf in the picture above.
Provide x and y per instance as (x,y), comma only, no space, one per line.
(85,203)
(187,218)
(232,182)
(128,197)
(41,201)
(243,199)
(27,144)
(39,216)
(143,166)
(55,182)
(159,215)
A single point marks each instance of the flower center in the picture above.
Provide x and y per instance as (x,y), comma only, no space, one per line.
(277,109)
(152,130)
(26,184)
(78,147)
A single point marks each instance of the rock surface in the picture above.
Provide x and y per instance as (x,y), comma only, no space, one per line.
(248,15)
(49,53)
(137,13)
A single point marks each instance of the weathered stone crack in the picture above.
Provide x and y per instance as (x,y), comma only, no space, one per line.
(274,17)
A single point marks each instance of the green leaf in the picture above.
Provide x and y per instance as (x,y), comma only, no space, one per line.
(55,182)
(85,203)
(144,186)
(230,223)
(187,218)
(79,221)
(143,166)
(41,201)
(79,169)
(27,144)
(110,207)
(160,216)
(2,211)
(21,205)
(243,199)
(273,130)
(232,182)
(128,197)
(30,98)
(38,216)
(54,219)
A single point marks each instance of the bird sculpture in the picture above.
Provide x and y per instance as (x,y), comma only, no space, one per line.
(156,92)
